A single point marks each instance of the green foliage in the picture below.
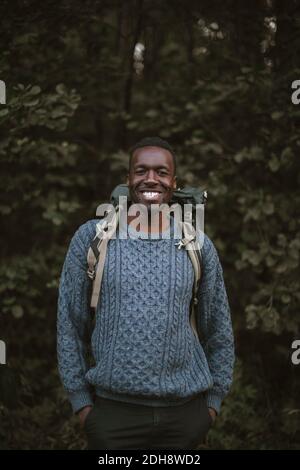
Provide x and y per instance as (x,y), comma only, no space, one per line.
(242,423)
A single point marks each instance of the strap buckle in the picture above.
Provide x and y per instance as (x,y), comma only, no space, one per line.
(185,241)
(91,273)
(180,244)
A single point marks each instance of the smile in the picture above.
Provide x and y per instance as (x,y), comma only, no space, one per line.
(150,194)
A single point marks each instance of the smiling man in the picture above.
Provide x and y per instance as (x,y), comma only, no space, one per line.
(151,178)
(152,173)
(154,385)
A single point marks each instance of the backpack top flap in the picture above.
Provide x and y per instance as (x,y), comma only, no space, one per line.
(189,195)
(120,190)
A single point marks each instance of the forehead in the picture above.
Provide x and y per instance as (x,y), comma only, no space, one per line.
(152,157)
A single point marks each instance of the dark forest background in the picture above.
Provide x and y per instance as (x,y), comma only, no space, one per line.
(84,81)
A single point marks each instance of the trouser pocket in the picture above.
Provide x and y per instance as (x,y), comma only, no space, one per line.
(204,420)
(88,418)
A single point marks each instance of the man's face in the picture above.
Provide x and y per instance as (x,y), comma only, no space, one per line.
(151,176)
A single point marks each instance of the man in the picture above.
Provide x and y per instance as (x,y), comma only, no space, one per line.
(154,384)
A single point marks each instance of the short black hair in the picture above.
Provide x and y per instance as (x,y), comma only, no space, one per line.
(153,142)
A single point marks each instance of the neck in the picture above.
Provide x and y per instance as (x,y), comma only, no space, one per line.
(152,225)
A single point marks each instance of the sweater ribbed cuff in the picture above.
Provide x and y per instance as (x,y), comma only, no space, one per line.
(214,400)
(80,399)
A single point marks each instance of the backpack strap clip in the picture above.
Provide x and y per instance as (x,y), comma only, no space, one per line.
(91,273)
(185,241)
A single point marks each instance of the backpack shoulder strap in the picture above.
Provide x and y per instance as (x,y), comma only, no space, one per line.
(190,243)
(97,252)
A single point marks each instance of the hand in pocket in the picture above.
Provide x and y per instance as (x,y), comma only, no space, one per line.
(212,413)
(83,414)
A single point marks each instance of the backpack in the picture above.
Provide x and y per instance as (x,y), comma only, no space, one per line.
(107,226)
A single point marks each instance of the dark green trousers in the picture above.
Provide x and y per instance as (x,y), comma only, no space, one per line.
(116,425)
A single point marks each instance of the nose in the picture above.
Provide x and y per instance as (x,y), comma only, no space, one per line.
(151,177)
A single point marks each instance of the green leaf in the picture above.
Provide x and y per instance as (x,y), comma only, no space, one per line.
(152,113)
(277,115)
(286,298)
(268,208)
(5,210)
(59,112)
(35,90)
(30,103)
(274,164)
(60,89)
(17,311)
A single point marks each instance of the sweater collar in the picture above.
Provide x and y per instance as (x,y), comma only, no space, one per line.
(132,233)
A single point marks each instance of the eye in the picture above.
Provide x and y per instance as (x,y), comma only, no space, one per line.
(139,171)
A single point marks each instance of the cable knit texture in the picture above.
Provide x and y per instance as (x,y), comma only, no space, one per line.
(143,346)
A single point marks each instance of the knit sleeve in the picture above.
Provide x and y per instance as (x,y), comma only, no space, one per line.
(215,324)
(74,321)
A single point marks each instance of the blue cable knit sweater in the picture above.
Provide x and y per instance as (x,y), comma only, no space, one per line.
(144,348)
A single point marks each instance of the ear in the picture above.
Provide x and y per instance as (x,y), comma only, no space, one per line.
(175,182)
(127,179)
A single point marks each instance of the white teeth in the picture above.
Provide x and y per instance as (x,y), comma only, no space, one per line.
(150,195)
